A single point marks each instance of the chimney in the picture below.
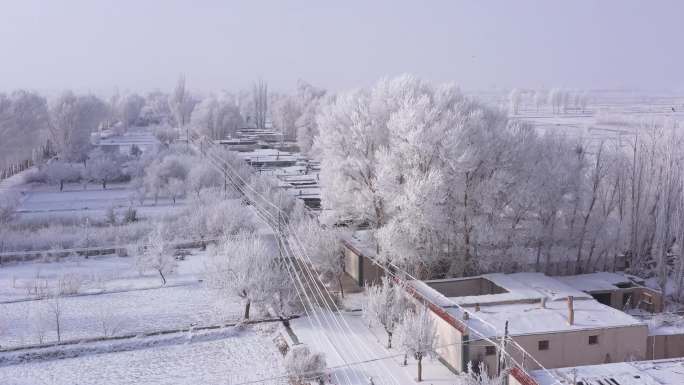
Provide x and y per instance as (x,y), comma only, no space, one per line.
(571,311)
(542,304)
(477,307)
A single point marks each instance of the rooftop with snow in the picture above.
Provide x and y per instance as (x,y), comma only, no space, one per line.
(660,372)
(531,303)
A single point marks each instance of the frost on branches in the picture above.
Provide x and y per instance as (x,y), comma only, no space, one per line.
(244,265)
(303,366)
(417,336)
(385,306)
(157,254)
(324,247)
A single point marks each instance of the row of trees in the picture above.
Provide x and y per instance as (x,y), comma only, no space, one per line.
(560,100)
(450,186)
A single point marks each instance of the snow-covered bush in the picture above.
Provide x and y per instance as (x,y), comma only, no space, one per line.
(166,135)
(102,167)
(58,173)
(69,284)
(480,376)
(303,365)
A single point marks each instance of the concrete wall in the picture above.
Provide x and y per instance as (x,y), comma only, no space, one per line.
(572,348)
(665,346)
(636,297)
(450,343)
(351,265)
(361,269)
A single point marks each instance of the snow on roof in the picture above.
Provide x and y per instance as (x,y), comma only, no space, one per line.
(660,372)
(663,323)
(520,287)
(521,306)
(363,242)
(600,281)
(531,318)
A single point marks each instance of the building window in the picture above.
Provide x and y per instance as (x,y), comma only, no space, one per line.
(593,340)
(544,345)
(490,350)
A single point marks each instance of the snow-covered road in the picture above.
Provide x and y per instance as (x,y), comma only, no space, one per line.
(363,351)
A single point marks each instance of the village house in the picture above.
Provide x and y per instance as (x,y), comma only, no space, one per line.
(555,324)
(661,372)
(620,291)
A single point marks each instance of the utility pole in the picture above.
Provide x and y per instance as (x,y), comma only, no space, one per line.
(501,364)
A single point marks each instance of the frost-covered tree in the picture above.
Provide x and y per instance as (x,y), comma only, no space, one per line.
(417,336)
(157,254)
(156,109)
(176,189)
(58,172)
(556,100)
(514,100)
(72,119)
(385,306)
(161,171)
(324,247)
(102,167)
(217,117)
(310,100)
(128,109)
(244,266)
(23,126)
(285,110)
(355,130)
(304,366)
(181,103)
(260,103)
(539,99)
(166,135)
(202,176)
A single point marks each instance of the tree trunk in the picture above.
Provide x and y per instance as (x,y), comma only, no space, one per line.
(247,306)
(61,185)
(339,282)
(161,274)
(389,340)
(104,184)
(420,368)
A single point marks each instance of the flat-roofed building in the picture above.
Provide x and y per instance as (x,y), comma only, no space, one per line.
(550,323)
(661,372)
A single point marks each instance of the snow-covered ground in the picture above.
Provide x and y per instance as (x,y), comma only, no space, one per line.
(119,300)
(359,353)
(239,357)
(96,274)
(44,201)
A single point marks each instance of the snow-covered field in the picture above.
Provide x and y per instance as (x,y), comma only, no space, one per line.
(118,300)
(96,274)
(245,356)
(41,201)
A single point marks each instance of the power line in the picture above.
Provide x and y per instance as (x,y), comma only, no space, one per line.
(484,337)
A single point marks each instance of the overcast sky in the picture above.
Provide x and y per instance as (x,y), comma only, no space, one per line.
(142,45)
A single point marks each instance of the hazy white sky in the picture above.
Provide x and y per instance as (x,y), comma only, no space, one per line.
(142,45)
